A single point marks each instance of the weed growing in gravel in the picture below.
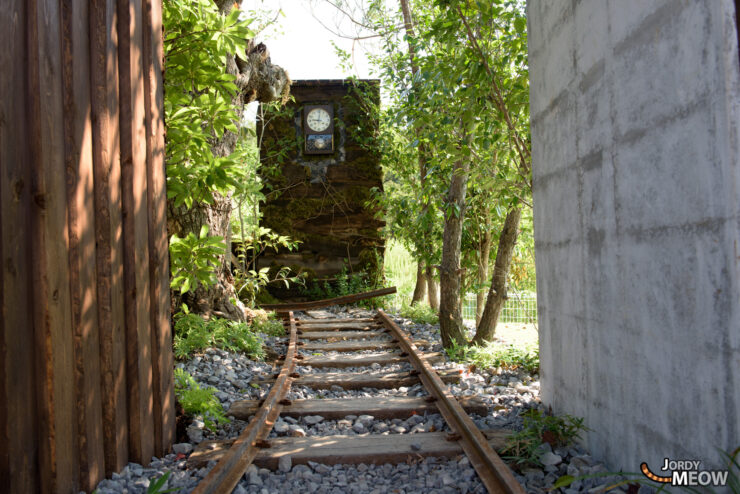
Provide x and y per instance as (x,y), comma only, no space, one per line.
(523,447)
(268,324)
(419,313)
(193,333)
(493,355)
(198,401)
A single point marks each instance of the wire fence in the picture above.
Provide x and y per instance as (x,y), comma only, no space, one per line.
(519,308)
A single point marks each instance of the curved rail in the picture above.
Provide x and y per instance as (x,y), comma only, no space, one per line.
(492,470)
(226,474)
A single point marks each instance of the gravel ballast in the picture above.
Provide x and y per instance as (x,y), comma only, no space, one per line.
(508,395)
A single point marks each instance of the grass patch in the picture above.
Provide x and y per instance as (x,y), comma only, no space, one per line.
(267,323)
(495,355)
(193,333)
(419,313)
(198,401)
(523,447)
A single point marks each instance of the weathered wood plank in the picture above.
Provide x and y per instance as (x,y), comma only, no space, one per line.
(53,352)
(362,360)
(384,407)
(317,304)
(342,335)
(354,346)
(18,427)
(108,233)
(80,214)
(135,231)
(380,380)
(162,365)
(371,449)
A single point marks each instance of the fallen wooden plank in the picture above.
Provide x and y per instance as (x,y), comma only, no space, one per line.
(342,335)
(355,346)
(361,360)
(383,407)
(380,380)
(317,304)
(370,449)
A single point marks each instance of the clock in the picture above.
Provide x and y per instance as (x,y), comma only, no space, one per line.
(318,129)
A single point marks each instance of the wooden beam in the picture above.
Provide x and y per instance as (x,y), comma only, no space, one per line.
(370,449)
(108,234)
(78,160)
(383,407)
(318,304)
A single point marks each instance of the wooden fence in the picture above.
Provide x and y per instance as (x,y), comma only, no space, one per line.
(85,342)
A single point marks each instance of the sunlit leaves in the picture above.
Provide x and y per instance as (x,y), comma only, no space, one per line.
(198,98)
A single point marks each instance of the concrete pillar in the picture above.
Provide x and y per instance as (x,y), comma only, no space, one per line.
(635,146)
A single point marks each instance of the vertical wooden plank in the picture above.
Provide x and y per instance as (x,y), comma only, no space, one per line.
(108,254)
(50,276)
(18,453)
(135,231)
(80,217)
(162,364)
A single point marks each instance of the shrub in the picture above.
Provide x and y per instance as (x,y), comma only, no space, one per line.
(198,401)
(193,333)
(420,314)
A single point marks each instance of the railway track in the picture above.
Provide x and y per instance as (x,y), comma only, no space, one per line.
(343,346)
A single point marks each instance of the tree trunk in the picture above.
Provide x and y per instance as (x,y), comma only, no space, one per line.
(257,80)
(420,290)
(484,254)
(450,318)
(432,288)
(497,294)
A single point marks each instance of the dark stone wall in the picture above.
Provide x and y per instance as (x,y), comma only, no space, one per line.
(321,199)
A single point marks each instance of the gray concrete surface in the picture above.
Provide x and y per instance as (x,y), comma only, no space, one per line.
(635,109)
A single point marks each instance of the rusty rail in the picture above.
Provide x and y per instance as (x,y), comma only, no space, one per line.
(226,474)
(493,472)
(318,304)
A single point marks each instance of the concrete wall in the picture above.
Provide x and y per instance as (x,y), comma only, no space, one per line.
(634,108)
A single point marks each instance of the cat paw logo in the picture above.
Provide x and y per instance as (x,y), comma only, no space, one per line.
(686,473)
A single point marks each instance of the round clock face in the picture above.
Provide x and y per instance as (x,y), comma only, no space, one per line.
(318,119)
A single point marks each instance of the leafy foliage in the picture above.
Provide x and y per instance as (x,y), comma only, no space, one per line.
(198,99)
(194,333)
(523,448)
(193,259)
(198,401)
(268,324)
(248,282)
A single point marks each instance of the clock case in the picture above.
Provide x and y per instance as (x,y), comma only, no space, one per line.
(309,135)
